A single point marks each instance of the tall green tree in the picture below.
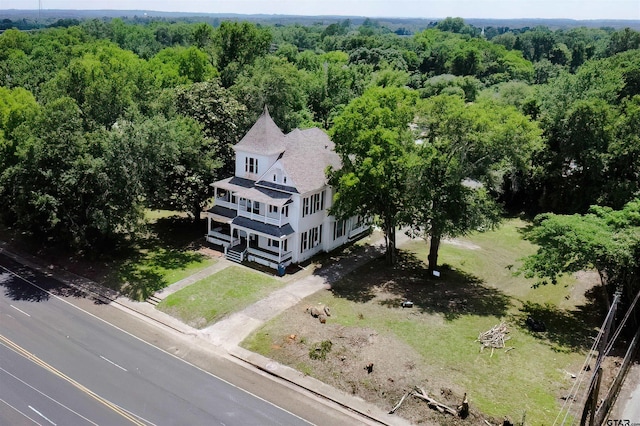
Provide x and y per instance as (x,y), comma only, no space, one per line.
(237,45)
(105,83)
(176,162)
(68,188)
(455,170)
(373,139)
(603,239)
(223,119)
(276,83)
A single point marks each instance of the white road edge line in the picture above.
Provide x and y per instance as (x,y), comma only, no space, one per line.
(9,405)
(45,395)
(42,415)
(152,345)
(20,310)
(113,363)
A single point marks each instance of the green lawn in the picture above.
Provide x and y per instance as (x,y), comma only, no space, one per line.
(484,291)
(210,299)
(156,268)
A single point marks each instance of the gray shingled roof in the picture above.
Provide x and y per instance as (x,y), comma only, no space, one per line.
(308,154)
(264,137)
(263,228)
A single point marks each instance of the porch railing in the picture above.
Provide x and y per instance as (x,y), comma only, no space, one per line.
(271,256)
(261,218)
(224,203)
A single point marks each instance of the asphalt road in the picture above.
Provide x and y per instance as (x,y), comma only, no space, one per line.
(61,365)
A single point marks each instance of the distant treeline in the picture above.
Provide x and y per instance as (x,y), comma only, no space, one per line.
(32,19)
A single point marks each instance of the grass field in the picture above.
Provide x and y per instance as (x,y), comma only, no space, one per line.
(210,299)
(477,290)
(156,268)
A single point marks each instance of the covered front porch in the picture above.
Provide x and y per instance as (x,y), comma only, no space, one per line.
(258,242)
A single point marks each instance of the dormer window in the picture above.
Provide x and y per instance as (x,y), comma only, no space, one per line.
(251,165)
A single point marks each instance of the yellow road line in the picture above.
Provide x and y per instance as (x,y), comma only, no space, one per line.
(31,357)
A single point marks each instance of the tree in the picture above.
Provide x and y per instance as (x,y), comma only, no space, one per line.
(461,150)
(237,46)
(373,139)
(177,163)
(222,117)
(68,187)
(276,83)
(105,83)
(178,65)
(603,239)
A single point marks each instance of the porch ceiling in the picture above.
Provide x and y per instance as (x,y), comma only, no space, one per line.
(262,228)
(234,184)
(222,214)
(265,196)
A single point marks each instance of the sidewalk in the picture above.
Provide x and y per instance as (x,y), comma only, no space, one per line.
(229,332)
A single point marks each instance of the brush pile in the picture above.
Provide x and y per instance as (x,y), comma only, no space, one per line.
(495,337)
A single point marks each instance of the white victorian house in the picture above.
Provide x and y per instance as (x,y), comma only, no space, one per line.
(274,210)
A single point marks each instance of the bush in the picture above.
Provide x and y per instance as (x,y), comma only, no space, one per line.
(320,350)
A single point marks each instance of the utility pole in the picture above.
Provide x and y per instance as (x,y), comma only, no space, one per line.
(591,402)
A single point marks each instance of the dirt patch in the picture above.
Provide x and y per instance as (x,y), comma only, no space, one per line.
(366,363)
(462,243)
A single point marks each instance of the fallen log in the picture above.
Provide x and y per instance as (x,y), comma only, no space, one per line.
(420,393)
(394,409)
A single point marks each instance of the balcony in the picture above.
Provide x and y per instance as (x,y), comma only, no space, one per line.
(222,202)
(277,221)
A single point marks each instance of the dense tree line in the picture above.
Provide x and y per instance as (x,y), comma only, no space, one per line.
(439,130)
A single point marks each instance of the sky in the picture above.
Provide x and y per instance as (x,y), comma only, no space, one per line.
(498,9)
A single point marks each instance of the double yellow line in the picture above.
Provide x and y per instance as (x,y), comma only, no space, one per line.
(31,357)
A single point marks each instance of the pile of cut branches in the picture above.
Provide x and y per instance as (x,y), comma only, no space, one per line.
(494,338)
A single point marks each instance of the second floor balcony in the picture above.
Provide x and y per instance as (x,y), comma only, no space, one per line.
(262,205)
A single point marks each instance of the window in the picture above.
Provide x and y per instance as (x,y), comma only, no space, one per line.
(305,206)
(311,238)
(251,165)
(256,207)
(284,179)
(285,211)
(274,243)
(274,177)
(312,204)
(339,229)
(273,209)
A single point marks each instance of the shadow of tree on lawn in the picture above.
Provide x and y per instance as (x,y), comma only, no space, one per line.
(167,246)
(566,330)
(453,294)
(145,273)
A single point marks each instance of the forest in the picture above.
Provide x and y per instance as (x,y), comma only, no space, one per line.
(444,130)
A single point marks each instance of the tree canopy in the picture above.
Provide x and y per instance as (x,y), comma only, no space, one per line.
(142,113)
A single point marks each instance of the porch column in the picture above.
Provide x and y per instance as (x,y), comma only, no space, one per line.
(280,250)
